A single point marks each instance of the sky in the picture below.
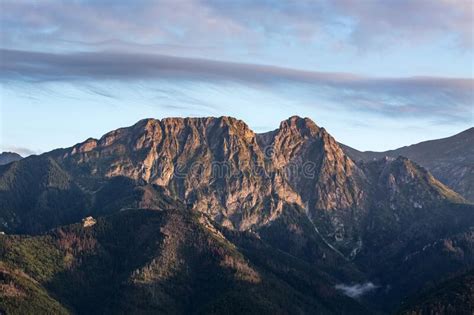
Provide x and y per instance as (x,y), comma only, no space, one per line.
(376,74)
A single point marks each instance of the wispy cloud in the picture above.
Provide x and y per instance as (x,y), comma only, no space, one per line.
(390,23)
(357,290)
(358,23)
(442,99)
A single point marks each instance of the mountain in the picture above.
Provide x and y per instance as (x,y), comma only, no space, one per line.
(451,160)
(455,296)
(165,261)
(308,220)
(8,157)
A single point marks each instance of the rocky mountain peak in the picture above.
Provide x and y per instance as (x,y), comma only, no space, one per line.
(85,146)
(314,165)
(303,126)
(219,166)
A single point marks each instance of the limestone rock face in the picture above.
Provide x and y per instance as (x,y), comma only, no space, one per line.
(219,166)
(214,164)
(222,168)
(315,166)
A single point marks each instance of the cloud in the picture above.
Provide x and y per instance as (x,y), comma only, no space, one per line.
(442,99)
(24,152)
(362,24)
(70,24)
(393,22)
(366,23)
(357,290)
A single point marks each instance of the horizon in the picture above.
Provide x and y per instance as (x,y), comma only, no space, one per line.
(377,74)
(26,154)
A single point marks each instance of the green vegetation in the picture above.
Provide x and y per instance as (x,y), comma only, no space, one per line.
(20,294)
(454,296)
(37,256)
(150,261)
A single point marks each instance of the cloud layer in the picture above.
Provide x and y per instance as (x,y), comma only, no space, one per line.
(442,99)
(358,23)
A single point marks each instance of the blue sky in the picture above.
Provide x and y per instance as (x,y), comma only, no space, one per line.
(376,74)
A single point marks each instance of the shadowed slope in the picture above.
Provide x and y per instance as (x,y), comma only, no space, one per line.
(143,261)
(451,159)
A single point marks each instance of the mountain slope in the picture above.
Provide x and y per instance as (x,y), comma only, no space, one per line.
(207,162)
(454,296)
(292,193)
(8,157)
(20,294)
(451,160)
(152,261)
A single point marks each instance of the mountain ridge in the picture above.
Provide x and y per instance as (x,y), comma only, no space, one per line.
(8,157)
(450,159)
(294,189)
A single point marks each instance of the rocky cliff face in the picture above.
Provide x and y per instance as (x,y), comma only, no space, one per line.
(214,164)
(244,180)
(223,168)
(314,165)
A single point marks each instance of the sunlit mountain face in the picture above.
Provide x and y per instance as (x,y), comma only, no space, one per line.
(260,157)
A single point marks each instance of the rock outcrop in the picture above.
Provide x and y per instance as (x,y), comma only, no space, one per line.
(88,221)
(221,167)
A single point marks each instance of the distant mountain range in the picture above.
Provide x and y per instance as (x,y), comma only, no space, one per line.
(203,215)
(8,157)
(451,160)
